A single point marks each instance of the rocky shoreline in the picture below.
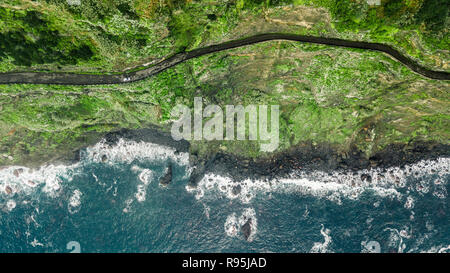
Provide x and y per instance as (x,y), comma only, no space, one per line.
(309,158)
(306,157)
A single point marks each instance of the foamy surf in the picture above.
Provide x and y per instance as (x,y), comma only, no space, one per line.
(145,176)
(333,186)
(127,151)
(319,247)
(23,180)
(48,179)
(120,179)
(336,185)
(75,201)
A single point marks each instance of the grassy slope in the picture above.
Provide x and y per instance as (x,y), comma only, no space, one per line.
(118,34)
(339,96)
(326,95)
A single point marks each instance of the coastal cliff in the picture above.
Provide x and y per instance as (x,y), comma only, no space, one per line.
(353,102)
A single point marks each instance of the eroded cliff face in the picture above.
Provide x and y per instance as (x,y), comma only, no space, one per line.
(340,97)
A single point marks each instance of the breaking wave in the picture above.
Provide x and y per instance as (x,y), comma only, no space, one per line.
(333,186)
(241,209)
(48,179)
(391,182)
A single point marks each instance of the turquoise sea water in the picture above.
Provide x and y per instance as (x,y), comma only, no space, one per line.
(117,205)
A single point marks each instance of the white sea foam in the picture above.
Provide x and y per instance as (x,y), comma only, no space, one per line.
(245,191)
(371,247)
(36,243)
(333,186)
(145,177)
(409,204)
(231,227)
(126,151)
(322,247)
(396,239)
(444,249)
(434,249)
(10,205)
(75,202)
(336,185)
(19,180)
(141,193)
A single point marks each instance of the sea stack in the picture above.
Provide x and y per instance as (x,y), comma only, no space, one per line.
(167,178)
(247,229)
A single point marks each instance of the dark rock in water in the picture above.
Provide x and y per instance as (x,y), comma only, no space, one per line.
(236,190)
(17,172)
(8,190)
(247,229)
(366,177)
(196,175)
(104,158)
(201,166)
(167,178)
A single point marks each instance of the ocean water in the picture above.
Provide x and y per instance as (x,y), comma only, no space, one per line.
(115,204)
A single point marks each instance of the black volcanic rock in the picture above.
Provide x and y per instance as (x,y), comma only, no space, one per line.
(236,190)
(201,166)
(104,158)
(167,178)
(246,229)
(17,172)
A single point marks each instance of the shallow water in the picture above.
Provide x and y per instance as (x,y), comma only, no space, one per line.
(115,204)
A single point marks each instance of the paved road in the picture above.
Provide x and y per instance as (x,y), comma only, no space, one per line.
(116,78)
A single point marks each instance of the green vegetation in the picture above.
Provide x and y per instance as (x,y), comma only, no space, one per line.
(329,95)
(326,95)
(113,35)
(31,39)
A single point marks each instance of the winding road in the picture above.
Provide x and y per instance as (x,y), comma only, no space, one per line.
(67,78)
